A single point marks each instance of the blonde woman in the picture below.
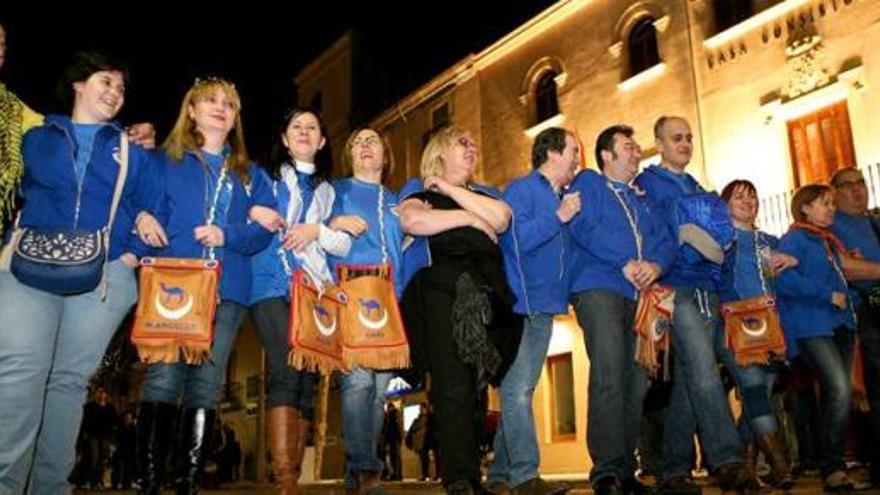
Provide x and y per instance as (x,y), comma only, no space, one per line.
(457,305)
(208,171)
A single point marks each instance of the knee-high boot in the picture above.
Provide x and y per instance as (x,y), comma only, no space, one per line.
(775,453)
(196,429)
(304,426)
(155,420)
(283,444)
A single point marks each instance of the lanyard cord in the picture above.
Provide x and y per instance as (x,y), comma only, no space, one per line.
(631,217)
(212,211)
(381,215)
(759,264)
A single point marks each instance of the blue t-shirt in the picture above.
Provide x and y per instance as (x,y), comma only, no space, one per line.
(85,140)
(355,197)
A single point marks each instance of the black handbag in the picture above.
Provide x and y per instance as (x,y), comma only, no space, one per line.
(65,261)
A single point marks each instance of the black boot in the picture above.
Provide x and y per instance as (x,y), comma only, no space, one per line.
(777,457)
(154,421)
(196,427)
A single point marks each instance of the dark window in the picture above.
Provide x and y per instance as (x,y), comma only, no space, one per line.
(643,53)
(318,102)
(439,119)
(440,116)
(729,13)
(546,102)
(561,374)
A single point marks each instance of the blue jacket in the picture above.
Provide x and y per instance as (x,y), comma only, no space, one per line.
(740,278)
(184,207)
(417,254)
(665,191)
(603,237)
(805,291)
(269,279)
(858,233)
(354,197)
(50,190)
(536,247)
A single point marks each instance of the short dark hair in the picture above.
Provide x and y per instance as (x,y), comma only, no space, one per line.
(729,189)
(805,196)
(660,123)
(605,141)
(835,178)
(81,66)
(550,139)
(279,153)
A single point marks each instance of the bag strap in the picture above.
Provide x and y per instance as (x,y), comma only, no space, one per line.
(117,194)
(120,178)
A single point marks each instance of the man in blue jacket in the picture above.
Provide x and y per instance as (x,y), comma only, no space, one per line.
(536,254)
(701,224)
(860,233)
(620,248)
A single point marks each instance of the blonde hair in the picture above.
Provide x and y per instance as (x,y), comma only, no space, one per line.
(387,154)
(440,142)
(185,137)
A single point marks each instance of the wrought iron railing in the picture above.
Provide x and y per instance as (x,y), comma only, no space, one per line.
(774,213)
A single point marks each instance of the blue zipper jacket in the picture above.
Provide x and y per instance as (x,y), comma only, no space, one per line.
(536,247)
(53,198)
(417,253)
(664,190)
(269,279)
(857,232)
(355,197)
(740,278)
(603,237)
(189,192)
(805,291)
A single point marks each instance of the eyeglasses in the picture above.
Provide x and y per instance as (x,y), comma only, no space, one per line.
(366,142)
(466,142)
(851,184)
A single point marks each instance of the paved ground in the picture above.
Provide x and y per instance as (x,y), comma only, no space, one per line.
(810,485)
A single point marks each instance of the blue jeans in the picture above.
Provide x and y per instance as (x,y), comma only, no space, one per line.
(515,444)
(288,386)
(200,384)
(698,401)
(869,335)
(51,346)
(831,360)
(363,412)
(617,384)
(754,384)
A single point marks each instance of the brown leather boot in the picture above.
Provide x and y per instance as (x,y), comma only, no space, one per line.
(774,451)
(283,440)
(302,426)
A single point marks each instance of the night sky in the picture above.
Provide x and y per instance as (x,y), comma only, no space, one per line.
(260,49)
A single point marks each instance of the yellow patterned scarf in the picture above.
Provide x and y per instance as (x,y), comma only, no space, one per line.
(11,169)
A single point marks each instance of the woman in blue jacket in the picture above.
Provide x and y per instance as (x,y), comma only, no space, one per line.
(52,344)
(749,265)
(207,170)
(366,210)
(304,198)
(818,318)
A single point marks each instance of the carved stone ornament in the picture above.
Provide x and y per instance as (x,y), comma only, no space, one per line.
(805,73)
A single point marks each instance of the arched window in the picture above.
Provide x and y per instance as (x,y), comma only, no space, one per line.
(642,46)
(546,102)
(729,13)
